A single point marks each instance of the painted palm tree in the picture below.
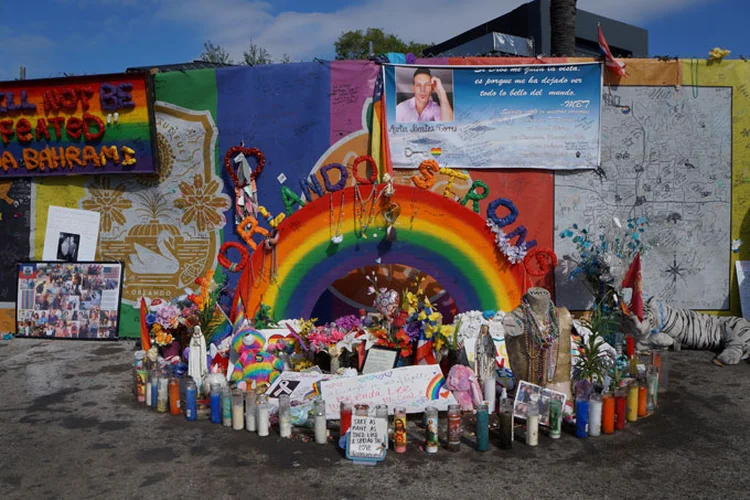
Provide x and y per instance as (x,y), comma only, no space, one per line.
(562,18)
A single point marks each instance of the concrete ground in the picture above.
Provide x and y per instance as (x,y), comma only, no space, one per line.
(71,428)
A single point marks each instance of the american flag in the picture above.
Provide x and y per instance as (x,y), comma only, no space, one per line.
(609,60)
(379,149)
(111,272)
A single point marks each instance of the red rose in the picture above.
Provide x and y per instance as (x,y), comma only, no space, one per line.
(400,320)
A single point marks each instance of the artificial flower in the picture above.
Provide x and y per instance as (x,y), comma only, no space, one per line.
(167,316)
(150,319)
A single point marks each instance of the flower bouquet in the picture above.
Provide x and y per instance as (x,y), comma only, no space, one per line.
(325,339)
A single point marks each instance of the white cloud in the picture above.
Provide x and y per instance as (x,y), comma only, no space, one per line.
(23,49)
(233,23)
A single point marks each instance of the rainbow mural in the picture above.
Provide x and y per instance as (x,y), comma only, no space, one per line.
(434,234)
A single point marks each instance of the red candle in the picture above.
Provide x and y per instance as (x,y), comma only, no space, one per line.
(629,345)
(642,402)
(608,413)
(346,417)
(620,410)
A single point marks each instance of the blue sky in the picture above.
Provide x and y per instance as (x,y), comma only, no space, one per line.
(52,37)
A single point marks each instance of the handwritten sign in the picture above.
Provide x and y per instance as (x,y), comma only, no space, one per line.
(412,387)
(538,116)
(379,359)
(367,439)
(81,125)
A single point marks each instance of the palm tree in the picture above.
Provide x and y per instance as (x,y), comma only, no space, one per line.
(562,18)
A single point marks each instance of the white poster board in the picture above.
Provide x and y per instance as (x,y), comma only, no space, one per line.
(298,385)
(412,387)
(71,235)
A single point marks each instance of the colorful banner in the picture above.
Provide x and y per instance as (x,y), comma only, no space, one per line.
(79,125)
(540,116)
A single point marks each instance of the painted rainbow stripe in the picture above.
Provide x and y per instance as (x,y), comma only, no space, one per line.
(436,152)
(433,388)
(435,235)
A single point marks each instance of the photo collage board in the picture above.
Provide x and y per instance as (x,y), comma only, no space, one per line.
(71,300)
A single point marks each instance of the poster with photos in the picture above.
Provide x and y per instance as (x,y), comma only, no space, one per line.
(69,300)
(529,394)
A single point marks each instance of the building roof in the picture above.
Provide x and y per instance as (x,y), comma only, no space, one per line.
(164,68)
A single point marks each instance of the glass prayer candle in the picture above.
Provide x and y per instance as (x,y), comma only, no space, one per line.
(381,413)
(154,388)
(663,371)
(608,413)
(321,433)
(632,410)
(215,403)
(582,417)
(652,383)
(251,410)
(174,396)
(162,402)
(191,400)
(506,426)
(532,425)
(399,430)
(595,415)
(238,409)
(285,416)
(345,418)
(629,346)
(226,407)
(262,422)
(454,427)
(489,388)
(148,387)
(362,410)
(483,427)
(620,406)
(431,434)
(555,418)
(642,399)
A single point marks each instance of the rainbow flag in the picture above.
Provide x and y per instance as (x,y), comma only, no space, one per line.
(379,149)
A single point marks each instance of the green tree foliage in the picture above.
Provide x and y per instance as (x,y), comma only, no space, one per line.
(214,54)
(255,55)
(355,44)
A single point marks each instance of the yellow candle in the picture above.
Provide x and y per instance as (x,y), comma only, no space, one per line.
(632,412)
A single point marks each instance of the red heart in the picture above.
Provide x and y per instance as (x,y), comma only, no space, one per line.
(234,151)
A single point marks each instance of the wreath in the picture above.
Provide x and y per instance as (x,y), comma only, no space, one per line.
(228,264)
(234,151)
(545,259)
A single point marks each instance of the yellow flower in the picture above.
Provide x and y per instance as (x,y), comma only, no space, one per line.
(422,316)
(717,54)
(436,316)
(202,204)
(108,201)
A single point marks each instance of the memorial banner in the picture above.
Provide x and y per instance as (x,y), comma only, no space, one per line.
(481,117)
(100,124)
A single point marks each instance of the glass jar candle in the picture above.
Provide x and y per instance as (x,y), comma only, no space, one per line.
(155,375)
(608,413)
(174,396)
(345,417)
(226,407)
(399,430)
(454,427)
(506,425)
(285,416)
(215,403)
(642,398)
(555,418)
(238,409)
(251,410)
(381,414)
(361,410)
(620,408)
(262,422)
(652,383)
(632,410)
(431,432)
(582,417)
(147,388)
(595,415)
(162,403)
(191,399)
(321,432)
(483,426)
(532,425)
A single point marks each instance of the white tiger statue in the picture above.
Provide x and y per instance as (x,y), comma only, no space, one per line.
(663,325)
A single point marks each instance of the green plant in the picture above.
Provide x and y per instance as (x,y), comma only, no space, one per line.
(264,318)
(209,316)
(593,363)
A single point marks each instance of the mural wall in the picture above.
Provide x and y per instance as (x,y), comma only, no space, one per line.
(680,154)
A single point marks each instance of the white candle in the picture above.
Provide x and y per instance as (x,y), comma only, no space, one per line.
(595,415)
(251,410)
(321,433)
(148,393)
(262,422)
(238,414)
(162,397)
(489,393)
(532,428)
(285,426)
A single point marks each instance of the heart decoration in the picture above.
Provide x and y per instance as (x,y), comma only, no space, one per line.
(387,302)
(234,151)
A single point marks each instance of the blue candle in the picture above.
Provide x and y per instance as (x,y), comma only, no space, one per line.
(191,404)
(483,428)
(154,390)
(215,407)
(582,417)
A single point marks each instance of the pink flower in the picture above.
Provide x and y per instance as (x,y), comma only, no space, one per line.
(167,316)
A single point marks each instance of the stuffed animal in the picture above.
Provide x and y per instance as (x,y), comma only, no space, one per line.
(462,382)
(663,325)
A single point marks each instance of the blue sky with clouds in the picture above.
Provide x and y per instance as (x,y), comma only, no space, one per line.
(52,37)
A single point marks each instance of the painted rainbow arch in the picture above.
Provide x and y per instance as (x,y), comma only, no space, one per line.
(436,235)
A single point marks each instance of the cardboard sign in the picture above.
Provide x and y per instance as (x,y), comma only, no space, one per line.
(368,439)
(298,385)
(412,387)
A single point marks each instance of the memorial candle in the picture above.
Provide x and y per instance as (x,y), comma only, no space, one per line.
(148,388)
(191,400)
(431,434)
(399,430)
(319,408)
(632,410)
(454,427)
(506,426)
(608,413)
(483,427)
(345,418)
(238,410)
(215,403)
(163,395)
(226,407)
(285,416)
(620,409)
(582,417)
(652,382)
(174,396)
(595,415)
(262,420)
(555,418)
(532,425)
(642,399)
(251,409)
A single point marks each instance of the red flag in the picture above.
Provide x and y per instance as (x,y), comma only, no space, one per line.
(633,279)
(609,60)
(145,337)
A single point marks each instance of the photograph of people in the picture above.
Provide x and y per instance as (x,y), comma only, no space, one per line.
(422,107)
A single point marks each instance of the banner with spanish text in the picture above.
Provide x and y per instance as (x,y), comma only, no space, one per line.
(481,117)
